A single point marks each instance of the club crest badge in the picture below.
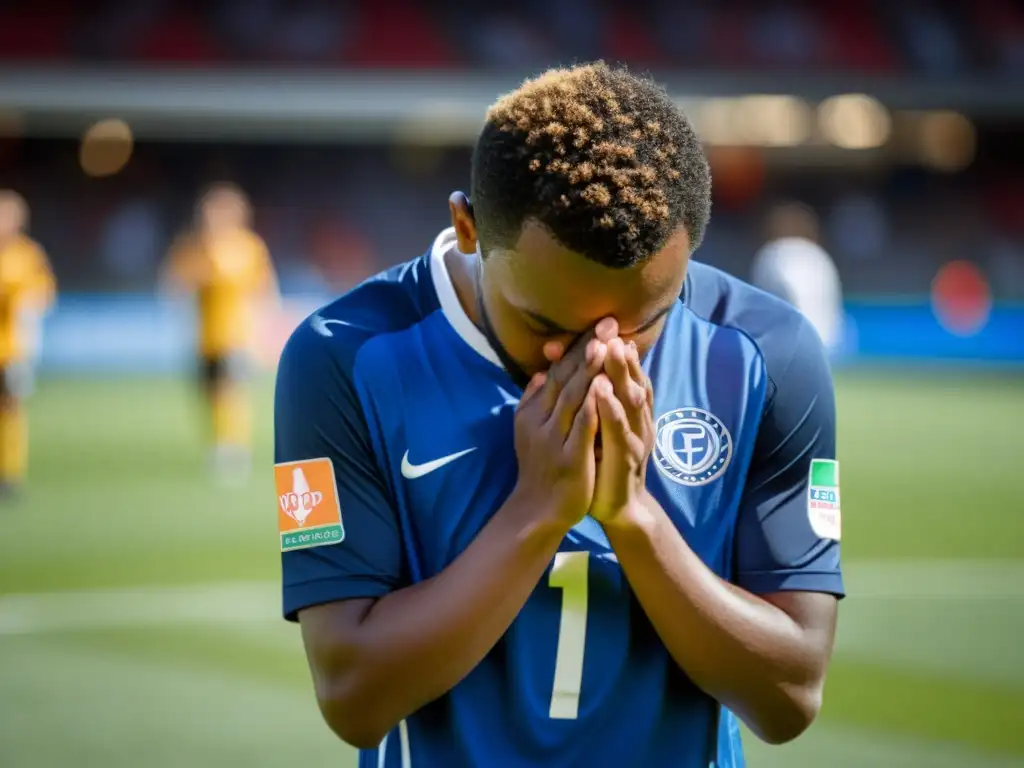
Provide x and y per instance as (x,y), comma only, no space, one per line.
(692,447)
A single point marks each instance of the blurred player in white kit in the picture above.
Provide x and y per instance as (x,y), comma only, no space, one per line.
(793,266)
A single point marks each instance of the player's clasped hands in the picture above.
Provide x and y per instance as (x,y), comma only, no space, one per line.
(625,406)
(556,428)
(598,383)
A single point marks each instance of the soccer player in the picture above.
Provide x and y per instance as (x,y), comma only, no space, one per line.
(226,265)
(794,266)
(604,572)
(27,289)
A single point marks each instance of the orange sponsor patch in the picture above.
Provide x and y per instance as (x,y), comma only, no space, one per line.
(308,510)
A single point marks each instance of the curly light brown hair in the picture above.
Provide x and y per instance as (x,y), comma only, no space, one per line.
(599,156)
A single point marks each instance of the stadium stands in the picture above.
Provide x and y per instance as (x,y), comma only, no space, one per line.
(929,37)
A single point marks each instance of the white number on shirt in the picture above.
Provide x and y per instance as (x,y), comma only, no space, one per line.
(569,573)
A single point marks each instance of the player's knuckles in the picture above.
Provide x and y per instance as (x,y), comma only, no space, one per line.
(551,434)
(529,421)
(619,381)
(637,395)
(528,409)
(622,384)
(617,417)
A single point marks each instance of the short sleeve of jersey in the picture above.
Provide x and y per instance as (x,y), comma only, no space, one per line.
(318,415)
(779,546)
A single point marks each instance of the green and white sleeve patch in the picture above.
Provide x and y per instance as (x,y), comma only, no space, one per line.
(823,499)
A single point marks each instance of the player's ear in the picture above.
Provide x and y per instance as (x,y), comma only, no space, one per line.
(462,220)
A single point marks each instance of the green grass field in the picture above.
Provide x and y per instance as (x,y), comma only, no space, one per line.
(139,601)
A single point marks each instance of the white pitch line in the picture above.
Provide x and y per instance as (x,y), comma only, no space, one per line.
(872,586)
(942,579)
(227,602)
(256,601)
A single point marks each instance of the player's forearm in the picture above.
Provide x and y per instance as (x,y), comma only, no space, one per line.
(742,650)
(417,643)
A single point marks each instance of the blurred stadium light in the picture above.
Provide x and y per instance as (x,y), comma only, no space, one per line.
(344,106)
(106,147)
(854,121)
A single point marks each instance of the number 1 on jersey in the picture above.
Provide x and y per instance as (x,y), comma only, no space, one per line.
(570,574)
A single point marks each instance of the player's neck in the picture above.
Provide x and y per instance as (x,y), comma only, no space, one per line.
(462,269)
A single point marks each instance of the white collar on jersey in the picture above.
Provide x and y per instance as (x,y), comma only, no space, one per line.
(454,313)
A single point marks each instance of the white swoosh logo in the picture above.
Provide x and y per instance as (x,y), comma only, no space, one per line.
(320,324)
(411,471)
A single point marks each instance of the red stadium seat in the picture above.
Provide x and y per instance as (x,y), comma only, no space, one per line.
(1001,22)
(1004,202)
(395,35)
(628,40)
(853,38)
(178,39)
(34,35)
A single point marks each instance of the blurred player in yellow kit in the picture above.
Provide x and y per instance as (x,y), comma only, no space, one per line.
(27,289)
(227,267)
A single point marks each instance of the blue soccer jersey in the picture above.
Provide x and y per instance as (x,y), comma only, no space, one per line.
(401,393)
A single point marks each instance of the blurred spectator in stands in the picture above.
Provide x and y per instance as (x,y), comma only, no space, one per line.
(311,31)
(247,26)
(684,30)
(784,33)
(931,41)
(936,36)
(505,39)
(577,27)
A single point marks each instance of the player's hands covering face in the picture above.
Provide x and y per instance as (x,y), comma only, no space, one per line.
(556,426)
(625,406)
